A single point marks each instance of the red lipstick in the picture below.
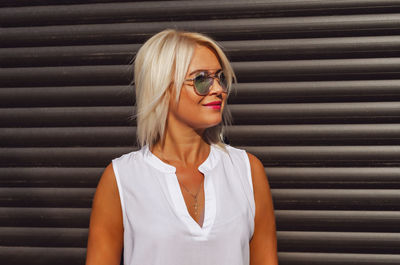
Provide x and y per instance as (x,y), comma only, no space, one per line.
(214,104)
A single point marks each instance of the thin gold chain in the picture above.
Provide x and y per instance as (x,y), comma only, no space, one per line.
(197,193)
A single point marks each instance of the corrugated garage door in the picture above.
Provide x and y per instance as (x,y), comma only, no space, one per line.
(318,102)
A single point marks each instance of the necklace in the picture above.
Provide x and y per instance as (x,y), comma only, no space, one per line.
(196,202)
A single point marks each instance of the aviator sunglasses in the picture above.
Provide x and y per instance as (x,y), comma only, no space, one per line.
(203,81)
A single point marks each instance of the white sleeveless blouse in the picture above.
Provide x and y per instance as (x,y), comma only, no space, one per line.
(158,229)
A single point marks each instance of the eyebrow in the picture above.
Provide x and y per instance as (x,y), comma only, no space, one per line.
(204,70)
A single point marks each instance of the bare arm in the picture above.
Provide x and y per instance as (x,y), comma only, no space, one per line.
(106,228)
(263,245)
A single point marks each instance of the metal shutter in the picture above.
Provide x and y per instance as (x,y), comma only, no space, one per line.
(317,101)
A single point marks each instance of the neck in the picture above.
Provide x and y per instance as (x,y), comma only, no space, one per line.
(181,144)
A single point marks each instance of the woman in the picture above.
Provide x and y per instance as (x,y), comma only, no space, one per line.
(185,197)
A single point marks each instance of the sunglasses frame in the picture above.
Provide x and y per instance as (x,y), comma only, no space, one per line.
(217,75)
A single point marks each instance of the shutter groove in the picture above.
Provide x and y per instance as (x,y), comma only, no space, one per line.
(318,101)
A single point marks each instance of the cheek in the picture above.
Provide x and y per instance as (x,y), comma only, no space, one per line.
(188,103)
(191,111)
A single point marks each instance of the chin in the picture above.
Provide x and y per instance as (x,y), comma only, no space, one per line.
(204,124)
(212,123)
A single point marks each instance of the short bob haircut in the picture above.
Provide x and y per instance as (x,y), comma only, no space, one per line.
(164,60)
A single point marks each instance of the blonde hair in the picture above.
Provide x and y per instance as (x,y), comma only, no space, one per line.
(164,60)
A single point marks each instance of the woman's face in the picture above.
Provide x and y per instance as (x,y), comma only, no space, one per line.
(195,110)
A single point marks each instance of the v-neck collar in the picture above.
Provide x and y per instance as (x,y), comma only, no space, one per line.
(179,205)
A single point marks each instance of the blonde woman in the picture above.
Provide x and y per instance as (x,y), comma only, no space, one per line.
(184,198)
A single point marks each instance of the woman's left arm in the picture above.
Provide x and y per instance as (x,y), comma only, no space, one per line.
(263,245)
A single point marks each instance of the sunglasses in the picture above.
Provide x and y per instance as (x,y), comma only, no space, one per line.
(202,82)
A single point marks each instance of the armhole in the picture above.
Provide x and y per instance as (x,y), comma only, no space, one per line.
(251,195)
(248,170)
(121,196)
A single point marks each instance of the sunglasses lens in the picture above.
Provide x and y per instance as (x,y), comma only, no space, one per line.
(202,84)
(223,82)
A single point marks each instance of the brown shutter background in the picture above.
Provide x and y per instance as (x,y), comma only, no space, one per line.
(318,101)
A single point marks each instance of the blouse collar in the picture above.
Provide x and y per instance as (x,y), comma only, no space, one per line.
(208,164)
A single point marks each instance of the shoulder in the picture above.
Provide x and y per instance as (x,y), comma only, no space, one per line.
(242,154)
(256,165)
(133,155)
(259,178)
(107,184)
(232,151)
(126,161)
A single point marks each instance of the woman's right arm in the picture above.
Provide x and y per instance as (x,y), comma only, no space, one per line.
(106,231)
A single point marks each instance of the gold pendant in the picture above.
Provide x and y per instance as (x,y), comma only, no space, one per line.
(195,207)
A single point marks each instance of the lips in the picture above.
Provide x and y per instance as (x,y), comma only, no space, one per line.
(214,103)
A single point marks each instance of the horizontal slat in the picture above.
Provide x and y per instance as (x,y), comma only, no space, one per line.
(69,116)
(238,135)
(68,55)
(275,92)
(335,134)
(68,136)
(24,3)
(174,10)
(284,199)
(270,155)
(46,197)
(328,69)
(370,221)
(67,96)
(67,76)
(299,258)
(83,177)
(44,217)
(66,256)
(68,156)
(349,221)
(43,255)
(325,4)
(142,11)
(310,48)
(336,199)
(301,241)
(255,71)
(355,112)
(279,177)
(327,155)
(43,237)
(339,242)
(227,29)
(316,91)
(334,177)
